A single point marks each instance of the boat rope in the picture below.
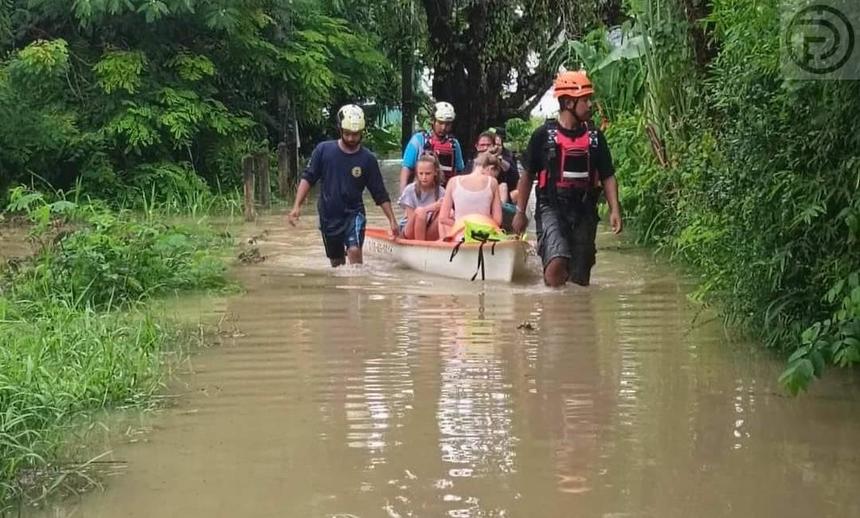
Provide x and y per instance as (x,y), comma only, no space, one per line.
(483,240)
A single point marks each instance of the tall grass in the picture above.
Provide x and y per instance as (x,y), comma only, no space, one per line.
(64,361)
(761,191)
(75,333)
(668,60)
(164,188)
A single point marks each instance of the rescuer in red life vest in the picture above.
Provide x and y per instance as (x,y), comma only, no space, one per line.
(571,161)
(438,142)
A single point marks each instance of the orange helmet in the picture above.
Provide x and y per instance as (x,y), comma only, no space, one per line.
(572,84)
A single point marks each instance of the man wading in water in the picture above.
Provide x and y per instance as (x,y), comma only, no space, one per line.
(346,169)
(571,160)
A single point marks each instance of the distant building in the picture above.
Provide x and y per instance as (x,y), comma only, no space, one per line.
(547,107)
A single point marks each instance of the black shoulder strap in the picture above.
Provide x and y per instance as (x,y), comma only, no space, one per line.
(552,130)
(428,146)
(592,138)
(551,145)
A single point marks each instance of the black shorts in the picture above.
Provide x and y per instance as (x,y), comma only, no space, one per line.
(567,229)
(350,235)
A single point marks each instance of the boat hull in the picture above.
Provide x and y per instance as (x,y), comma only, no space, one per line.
(501,263)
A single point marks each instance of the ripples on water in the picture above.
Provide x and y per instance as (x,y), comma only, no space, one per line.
(376,391)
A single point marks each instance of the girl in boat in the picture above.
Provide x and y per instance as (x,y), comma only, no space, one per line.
(473,193)
(422,199)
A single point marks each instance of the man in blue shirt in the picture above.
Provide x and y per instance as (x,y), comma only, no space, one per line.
(439,142)
(345,169)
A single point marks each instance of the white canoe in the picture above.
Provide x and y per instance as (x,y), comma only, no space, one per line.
(501,263)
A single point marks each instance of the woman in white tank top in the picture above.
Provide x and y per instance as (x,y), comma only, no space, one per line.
(474,193)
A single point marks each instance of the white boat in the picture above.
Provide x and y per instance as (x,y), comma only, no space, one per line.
(501,262)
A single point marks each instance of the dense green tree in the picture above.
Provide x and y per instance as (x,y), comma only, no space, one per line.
(100,89)
(756,184)
(492,58)
(402,32)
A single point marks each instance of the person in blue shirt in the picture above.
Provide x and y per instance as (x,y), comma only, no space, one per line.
(345,169)
(438,142)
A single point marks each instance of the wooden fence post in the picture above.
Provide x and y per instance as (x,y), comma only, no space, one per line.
(248,176)
(265,184)
(294,170)
(283,171)
(292,142)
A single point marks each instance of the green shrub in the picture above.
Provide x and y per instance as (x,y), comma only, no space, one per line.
(65,361)
(112,260)
(75,336)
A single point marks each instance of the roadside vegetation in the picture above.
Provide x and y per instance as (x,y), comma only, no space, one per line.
(143,110)
(141,113)
(731,166)
(76,331)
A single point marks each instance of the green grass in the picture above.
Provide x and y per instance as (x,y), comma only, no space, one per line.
(65,362)
(77,334)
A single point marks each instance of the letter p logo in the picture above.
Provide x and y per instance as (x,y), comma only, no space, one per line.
(819,41)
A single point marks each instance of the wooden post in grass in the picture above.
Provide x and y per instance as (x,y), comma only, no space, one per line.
(283,171)
(263,180)
(248,176)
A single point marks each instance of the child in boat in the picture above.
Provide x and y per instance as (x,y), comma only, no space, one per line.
(473,193)
(422,199)
(508,209)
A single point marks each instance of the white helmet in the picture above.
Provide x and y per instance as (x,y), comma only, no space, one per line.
(351,118)
(444,112)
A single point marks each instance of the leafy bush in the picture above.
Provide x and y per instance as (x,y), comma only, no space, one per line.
(518,132)
(75,336)
(644,187)
(166,83)
(613,64)
(111,260)
(64,361)
(759,194)
(382,141)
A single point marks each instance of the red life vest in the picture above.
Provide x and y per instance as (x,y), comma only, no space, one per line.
(569,161)
(443,148)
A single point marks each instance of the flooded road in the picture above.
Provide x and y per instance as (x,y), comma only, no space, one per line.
(14,243)
(380,392)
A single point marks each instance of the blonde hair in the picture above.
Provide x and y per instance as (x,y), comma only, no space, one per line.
(437,167)
(487,159)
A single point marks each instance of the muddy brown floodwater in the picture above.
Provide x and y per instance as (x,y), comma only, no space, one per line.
(380,392)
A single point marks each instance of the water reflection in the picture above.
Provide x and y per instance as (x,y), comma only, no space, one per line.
(569,388)
(382,392)
(474,413)
(378,399)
